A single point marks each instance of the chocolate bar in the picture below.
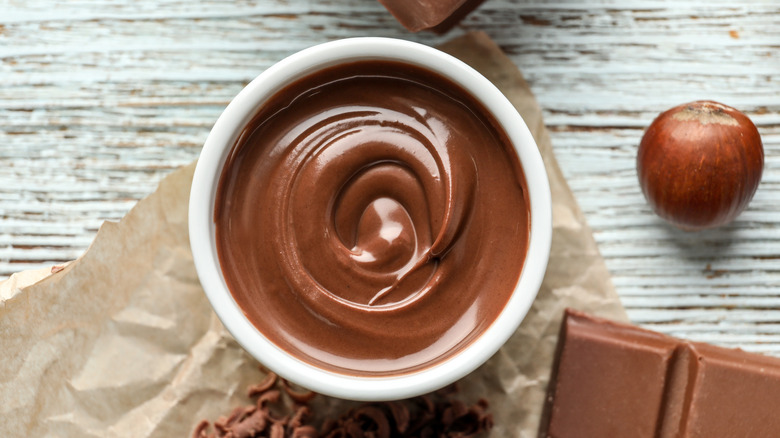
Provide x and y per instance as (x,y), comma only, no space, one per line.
(617,380)
(436,15)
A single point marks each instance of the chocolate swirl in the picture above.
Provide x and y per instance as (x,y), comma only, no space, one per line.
(375,196)
(353,216)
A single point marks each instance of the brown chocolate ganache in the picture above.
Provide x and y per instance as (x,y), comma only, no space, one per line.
(372,219)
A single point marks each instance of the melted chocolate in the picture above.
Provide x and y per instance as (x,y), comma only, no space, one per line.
(372,219)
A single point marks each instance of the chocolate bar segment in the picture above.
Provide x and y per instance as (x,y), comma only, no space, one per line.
(436,15)
(610,381)
(734,394)
(616,380)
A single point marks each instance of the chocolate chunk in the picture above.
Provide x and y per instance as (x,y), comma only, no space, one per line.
(436,15)
(618,380)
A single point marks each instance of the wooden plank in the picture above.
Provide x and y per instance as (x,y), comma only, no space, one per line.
(99,99)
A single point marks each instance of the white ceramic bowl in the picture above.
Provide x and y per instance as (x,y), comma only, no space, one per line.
(202,230)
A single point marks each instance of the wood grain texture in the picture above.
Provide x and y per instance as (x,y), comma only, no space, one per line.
(99,99)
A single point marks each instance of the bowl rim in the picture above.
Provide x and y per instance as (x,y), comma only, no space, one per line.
(223,136)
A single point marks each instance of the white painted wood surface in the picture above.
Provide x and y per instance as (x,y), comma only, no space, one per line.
(99,99)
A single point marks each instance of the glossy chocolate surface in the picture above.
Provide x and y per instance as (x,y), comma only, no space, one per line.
(372,219)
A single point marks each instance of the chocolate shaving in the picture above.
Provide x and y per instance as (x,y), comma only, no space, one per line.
(268,382)
(200,429)
(300,415)
(438,415)
(298,396)
(277,430)
(400,415)
(283,412)
(305,432)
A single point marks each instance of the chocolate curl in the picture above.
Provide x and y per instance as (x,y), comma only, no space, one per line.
(486,418)
(223,424)
(200,430)
(268,382)
(268,397)
(374,421)
(467,421)
(453,412)
(302,397)
(450,418)
(305,432)
(425,415)
(400,414)
(301,413)
(250,426)
(277,430)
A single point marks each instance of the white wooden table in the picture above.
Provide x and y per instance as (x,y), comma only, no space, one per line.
(101,98)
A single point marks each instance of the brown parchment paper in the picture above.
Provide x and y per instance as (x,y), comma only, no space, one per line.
(123,343)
